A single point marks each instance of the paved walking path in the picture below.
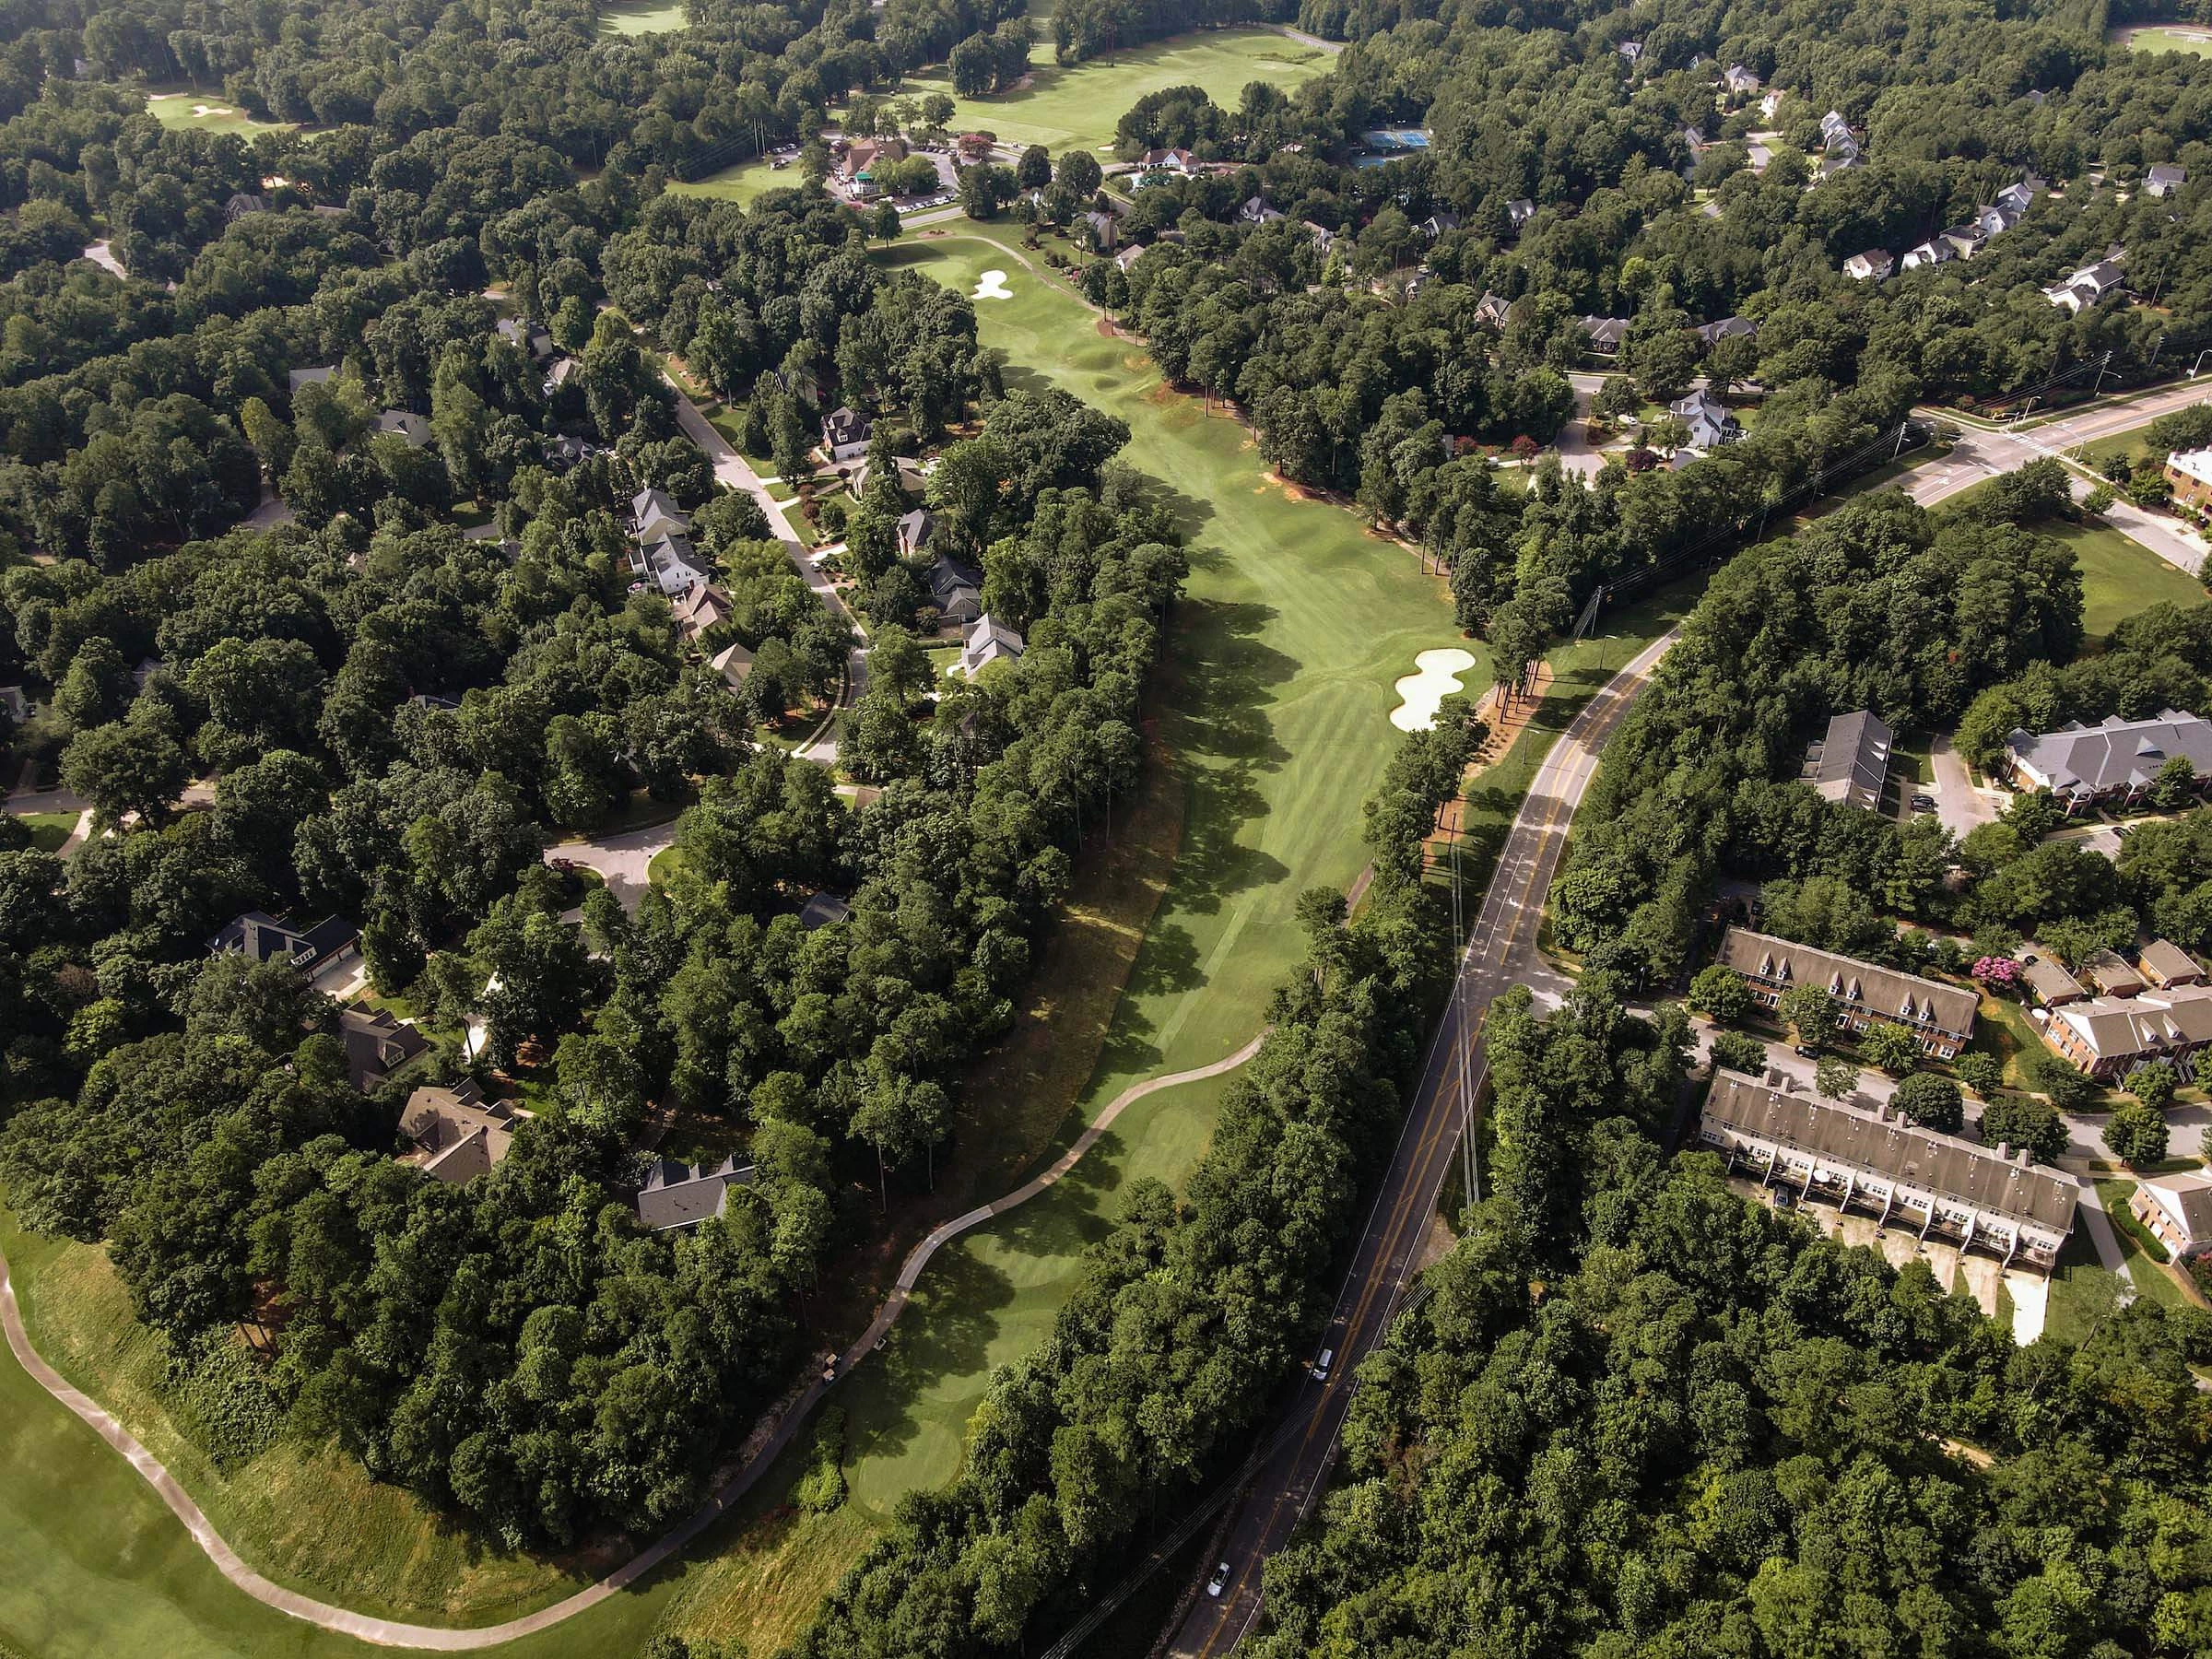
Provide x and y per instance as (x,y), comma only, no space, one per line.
(766,1449)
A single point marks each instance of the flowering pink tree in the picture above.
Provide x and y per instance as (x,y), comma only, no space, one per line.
(1999,974)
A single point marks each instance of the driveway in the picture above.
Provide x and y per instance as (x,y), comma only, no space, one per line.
(1960,805)
(622,859)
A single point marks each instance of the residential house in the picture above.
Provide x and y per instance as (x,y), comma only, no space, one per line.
(143,676)
(242,206)
(2189,473)
(653,514)
(956,590)
(1836,162)
(1438,224)
(822,910)
(1966,240)
(1256,211)
(2113,763)
(2050,985)
(1850,764)
(1935,251)
(1169,161)
(1769,102)
(1695,141)
(913,530)
(262,937)
(1321,236)
(733,661)
(1738,82)
(2109,973)
(2177,1209)
(2164,965)
(407,425)
(1863,993)
(701,606)
(1874,265)
(2018,196)
(1518,212)
(988,642)
(1728,328)
(678,1196)
(1632,51)
(1492,310)
(1103,228)
(564,369)
(564,450)
(1131,255)
(1996,219)
(1708,419)
(670,563)
(455,1134)
(527,337)
(2164,178)
(376,1046)
(319,376)
(2108,1037)
(1954,1190)
(1835,130)
(1605,334)
(845,433)
(2089,286)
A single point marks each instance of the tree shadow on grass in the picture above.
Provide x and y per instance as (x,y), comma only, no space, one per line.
(945,1334)
(1187,512)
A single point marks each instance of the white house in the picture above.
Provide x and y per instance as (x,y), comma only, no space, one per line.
(989,642)
(1875,265)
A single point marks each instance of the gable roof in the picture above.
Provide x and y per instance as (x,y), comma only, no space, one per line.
(377,1044)
(2186,1197)
(678,1194)
(2108,1026)
(1888,991)
(1944,1166)
(458,1136)
(988,641)
(1851,762)
(2048,978)
(2167,963)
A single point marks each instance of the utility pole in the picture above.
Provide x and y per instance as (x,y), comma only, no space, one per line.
(2103,363)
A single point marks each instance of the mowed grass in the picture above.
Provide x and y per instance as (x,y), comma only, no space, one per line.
(2152,38)
(48,829)
(1077,107)
(210,112)
(2120,577)
(641,20)
(1274,710)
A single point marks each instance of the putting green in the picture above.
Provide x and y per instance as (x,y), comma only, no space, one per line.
(210,112)
(1077,107)
(1277,688)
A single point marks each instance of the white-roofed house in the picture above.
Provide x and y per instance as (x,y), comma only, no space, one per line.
(989,642)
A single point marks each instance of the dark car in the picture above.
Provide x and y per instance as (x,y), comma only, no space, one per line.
(1923,803)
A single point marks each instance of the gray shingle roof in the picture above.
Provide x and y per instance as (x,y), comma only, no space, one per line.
(675,1195)
(1886,991)
(2118,754)
(1850,764)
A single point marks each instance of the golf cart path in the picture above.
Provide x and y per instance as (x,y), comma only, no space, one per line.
(762,1450)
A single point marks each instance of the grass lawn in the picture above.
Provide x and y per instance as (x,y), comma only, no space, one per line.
(2006,1030)
(2153,38)
(641,20)
(1077,107)
(2120,577)
(2082,1291)
(208,112)
(48,829)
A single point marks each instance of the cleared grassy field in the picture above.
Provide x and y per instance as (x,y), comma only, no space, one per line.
(641,20)
(1274,713)
(1077,107)
(208,112)
(2120,577)
(2152,38)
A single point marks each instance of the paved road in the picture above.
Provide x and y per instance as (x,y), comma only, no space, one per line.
(1501,953)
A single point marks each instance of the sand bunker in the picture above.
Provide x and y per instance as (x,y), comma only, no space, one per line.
(992,284)
(204,111)
(1425,691)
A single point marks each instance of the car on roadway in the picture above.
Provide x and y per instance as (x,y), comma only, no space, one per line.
(1805,1051)
(1321,1366)
(1219,1583)
(1923,803)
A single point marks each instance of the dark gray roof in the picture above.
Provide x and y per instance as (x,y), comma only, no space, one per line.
(1942,1165)
(821,910)
(675,1195)
(2117,754)
(1886,991)
(1852,762)
(376,1046)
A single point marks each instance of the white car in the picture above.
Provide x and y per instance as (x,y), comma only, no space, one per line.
(1219,1583)
(1321,1366)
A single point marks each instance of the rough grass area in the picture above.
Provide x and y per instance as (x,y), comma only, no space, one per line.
(642,20)
(2186,37)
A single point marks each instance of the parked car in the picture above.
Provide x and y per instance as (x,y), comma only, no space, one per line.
(1220,1581)
(1923,803)
(1805,1051)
